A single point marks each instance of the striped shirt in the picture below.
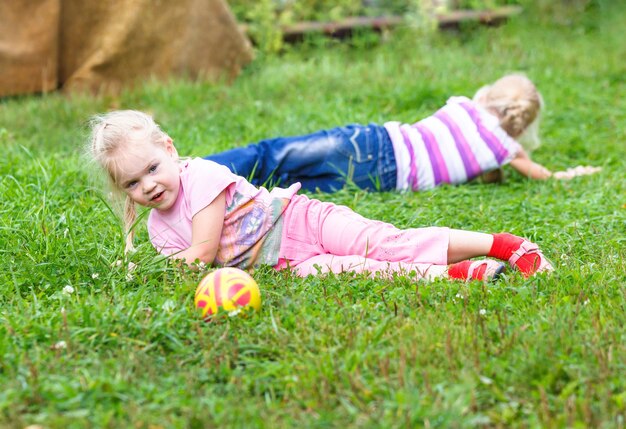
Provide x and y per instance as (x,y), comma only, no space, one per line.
(458,143)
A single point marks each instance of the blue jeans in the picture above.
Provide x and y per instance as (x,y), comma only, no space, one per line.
(324,160)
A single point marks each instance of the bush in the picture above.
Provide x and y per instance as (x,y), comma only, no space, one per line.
(264,18)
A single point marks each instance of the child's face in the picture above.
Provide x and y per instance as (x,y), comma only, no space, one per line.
(149,174)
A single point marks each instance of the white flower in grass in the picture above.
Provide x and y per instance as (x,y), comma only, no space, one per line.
(586,302)
(68,290)
(485,380)
(59,345)
(234,313)
(482,312)
(131,268)
(168,306)
(459,295)
(95,276)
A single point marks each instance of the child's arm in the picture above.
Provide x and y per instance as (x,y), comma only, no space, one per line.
(206,230)
(525,166)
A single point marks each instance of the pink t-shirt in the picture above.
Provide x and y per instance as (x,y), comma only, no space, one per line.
(252,223)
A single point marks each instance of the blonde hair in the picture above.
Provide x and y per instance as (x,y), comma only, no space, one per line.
(113,132)
(515,100)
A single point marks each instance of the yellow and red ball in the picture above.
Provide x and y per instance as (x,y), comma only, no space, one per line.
(227,290)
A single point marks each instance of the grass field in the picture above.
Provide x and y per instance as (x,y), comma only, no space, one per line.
(129,351)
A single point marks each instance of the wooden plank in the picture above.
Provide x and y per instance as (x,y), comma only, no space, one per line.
(492,16)
(331,28)
(346,26)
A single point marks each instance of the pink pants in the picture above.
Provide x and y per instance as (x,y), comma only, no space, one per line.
(323,237)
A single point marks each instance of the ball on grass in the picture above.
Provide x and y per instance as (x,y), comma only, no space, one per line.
(228,290)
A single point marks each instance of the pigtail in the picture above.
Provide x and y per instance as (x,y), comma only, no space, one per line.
(514,99)
(130,216)
(513,118)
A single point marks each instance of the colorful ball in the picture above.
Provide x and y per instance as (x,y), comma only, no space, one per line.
(227,290)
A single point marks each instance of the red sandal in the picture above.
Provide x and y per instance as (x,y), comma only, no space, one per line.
(484,269)
(541,263)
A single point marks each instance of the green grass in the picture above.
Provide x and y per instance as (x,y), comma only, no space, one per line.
(339,351)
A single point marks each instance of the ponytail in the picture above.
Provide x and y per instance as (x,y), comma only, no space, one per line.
(514,118)
(130,216)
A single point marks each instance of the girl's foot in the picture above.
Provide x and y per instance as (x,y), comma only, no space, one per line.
(484,269)
(520,253)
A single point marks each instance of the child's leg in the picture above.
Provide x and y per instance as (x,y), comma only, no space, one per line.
(468,244)
(521,253)
(314,228)
(339,231)
(344,232)
(467,270)
(322,160)
(352,263)
(286,160)
(243,161)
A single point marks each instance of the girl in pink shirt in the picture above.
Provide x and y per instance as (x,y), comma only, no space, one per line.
(203,212)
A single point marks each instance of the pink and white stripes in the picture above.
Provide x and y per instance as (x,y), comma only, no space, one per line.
(458,143)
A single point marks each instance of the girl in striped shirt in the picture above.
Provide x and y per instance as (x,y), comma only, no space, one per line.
(463,140)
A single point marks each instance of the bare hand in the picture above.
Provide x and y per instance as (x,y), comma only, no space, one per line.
(581,170)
